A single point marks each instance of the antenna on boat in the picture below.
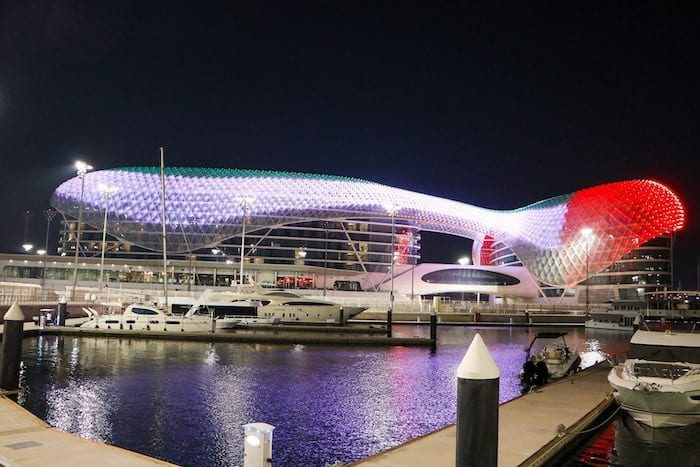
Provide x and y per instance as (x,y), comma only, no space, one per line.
(165,241)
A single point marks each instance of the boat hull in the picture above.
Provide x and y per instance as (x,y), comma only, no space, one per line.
(655,405)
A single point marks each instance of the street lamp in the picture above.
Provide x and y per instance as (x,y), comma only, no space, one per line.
(81,168)
(588,237)
(107,191)
(391,208)
(245,202)
(49,214)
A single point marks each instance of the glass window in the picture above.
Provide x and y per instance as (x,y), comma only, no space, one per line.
(469,277)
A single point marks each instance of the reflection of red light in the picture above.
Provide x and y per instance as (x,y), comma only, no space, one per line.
(599,450)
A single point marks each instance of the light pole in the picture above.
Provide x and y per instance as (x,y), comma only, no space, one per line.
(107,191)
(49,214)
(325,259)
(81,168)
(588,236)
(391,209)
(245,202)
(27,246)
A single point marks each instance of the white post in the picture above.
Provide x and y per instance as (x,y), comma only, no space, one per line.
(477,407)
(107,192)
(82,169)
(257,451)
(165,240)
(245,214)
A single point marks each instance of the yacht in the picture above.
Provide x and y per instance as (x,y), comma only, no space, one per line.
(616,320)
(555,360)
(233,309)
(659,382)
(142,317)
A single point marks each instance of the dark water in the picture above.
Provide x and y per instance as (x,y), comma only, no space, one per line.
(625,442)
(185,402)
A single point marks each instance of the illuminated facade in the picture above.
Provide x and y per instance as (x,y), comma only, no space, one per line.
(206,208)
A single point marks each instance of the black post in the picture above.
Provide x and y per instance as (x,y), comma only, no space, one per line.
(477,407)
(388,323)
(62,312)
(11,348)
(433,329)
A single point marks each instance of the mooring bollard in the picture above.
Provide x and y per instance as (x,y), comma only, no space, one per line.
(477,407)
(388,322)
(433,328)
(11,348)
(62,312)
(257,450)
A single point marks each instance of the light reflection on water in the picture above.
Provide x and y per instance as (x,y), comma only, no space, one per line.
(185,402)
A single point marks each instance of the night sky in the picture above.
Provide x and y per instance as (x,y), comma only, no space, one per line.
(494,107)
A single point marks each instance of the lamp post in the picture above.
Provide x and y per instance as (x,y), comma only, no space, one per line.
(107,191)
(81,168)
(49,214)
(325,259)
(245,202)
(391,209)
(588,236)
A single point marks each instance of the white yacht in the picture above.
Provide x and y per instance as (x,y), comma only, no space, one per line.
(266,307)
(142,317)
(659,383)
(614,320)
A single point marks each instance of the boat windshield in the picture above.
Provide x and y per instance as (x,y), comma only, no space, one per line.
(664,353)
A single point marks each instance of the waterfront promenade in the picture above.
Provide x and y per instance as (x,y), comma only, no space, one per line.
(27,441)
(527,425)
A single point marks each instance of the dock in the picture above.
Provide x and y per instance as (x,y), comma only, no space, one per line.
(287,335)
(527,425)
(28,441)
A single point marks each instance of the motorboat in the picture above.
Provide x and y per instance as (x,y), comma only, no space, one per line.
(555,359)
(659,382)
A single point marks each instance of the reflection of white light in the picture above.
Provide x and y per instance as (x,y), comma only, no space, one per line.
(27,247)
(228,261)
(464,260)
(252,440)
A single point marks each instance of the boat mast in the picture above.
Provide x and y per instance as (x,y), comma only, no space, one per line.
(165,242)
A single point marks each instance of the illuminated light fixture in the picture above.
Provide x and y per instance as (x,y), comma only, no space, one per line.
(544,236)
(82,168)
(215,251)
(464,260)
(27,247)
(41,252)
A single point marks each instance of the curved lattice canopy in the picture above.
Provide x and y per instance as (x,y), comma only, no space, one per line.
(552,238)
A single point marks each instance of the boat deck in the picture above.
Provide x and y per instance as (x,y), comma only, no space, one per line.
(27,441)
(527,425)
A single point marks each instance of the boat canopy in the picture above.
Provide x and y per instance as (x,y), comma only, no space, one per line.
(549,335)
(664,353)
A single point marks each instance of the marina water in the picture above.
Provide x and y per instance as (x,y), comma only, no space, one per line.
(185,402)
